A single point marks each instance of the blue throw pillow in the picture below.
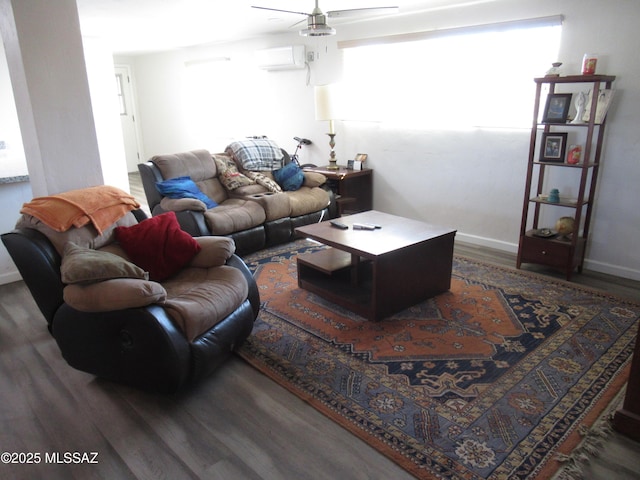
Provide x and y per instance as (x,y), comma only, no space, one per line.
(183,187)
(290,177)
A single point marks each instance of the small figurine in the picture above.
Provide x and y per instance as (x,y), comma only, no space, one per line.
(581,100)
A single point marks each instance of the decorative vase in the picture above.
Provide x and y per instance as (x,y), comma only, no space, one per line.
(564,226)
(554,71)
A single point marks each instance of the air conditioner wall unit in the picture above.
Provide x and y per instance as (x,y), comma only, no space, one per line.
(281,58)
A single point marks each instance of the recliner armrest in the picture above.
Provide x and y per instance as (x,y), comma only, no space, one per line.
(254,294)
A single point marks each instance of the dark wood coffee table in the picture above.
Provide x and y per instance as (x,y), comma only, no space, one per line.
(376,273)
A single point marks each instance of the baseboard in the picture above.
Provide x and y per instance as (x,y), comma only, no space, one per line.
(487,242)
(614,270)
(10,277)
(594,266)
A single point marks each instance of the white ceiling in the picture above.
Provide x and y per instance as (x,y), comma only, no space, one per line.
(140,26)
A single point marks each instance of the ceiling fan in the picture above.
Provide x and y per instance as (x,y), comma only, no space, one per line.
(317,21)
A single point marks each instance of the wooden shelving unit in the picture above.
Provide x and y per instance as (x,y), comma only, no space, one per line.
(564,253)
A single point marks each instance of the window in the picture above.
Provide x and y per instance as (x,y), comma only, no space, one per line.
(468,77)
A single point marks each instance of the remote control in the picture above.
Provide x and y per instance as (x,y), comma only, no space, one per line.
(339,225)
(366,226)
(363,226)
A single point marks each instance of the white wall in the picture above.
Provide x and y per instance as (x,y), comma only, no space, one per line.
(70,159)
(12,160)
(472,180)
(43,49)
(106,114)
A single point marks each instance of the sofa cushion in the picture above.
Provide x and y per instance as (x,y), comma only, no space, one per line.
(115,294)
(183,187)
(85,265)
(307,200)
(256,154)
(196,164)
(228,173)
(289,177)
(158,245)
(234,215)
(199,298)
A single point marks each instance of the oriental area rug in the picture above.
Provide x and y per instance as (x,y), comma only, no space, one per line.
(494,379)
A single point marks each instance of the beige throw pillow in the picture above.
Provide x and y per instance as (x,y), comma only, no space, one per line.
(85,265)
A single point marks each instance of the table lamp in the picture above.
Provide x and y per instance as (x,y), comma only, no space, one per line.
(325,110)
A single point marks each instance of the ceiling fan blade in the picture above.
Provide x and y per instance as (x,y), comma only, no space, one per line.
(278,10)
(360,12)
(297,24)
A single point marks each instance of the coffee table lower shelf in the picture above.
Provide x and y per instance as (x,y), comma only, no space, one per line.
(335,276)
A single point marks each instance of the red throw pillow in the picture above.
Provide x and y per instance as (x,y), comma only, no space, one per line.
(158,245)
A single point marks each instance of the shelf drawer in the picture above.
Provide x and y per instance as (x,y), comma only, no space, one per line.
(545,252)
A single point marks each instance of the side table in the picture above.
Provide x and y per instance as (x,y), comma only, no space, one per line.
(353,188)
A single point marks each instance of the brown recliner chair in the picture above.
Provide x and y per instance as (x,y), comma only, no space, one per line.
(156,336)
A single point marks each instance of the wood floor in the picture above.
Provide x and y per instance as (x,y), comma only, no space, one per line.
(236,425)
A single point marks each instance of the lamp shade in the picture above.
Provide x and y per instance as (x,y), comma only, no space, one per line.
(325,109)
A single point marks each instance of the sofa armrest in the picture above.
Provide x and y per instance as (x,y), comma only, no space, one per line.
(333,205)
(150,174)
(182,204)
(190,221)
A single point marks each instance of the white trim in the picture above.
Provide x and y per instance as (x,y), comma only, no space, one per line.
(550,21)
(10,277)
(615,270)
(487,242)
(594,266)
(133,104)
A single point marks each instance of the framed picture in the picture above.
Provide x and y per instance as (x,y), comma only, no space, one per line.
(556,110)
(553,148)
(350,164)
(361,157)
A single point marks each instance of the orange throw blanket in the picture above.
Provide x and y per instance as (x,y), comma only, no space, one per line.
(101,205)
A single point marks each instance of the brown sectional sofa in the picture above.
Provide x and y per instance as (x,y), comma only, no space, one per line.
(247,209)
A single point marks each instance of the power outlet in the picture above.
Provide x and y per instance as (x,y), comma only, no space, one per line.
(3,145)
(311,56)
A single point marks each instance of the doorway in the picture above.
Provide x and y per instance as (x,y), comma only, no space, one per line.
(128,117)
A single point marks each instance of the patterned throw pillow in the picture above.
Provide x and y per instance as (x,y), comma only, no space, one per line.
(257,154)
(266,182)
(228,173)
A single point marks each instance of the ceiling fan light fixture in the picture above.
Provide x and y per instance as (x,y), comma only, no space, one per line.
(317,31)
(317,25)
